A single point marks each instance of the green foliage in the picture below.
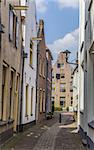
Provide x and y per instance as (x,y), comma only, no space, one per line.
(49,115)
(67,108)
(58,109)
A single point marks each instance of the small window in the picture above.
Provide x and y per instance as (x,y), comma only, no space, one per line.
(17,33)
(10,23)
(62,87)
(62,75)
(62,66)
(31,100)
(13,27)
(62,101)
(41,101)
(71,103)
(58,65)
(3,91)
(71,77)
(57,76)
(71,90)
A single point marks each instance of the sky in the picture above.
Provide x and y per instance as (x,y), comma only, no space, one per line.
(61,18)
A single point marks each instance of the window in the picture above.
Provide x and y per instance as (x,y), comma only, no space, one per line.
(10,23)
(11,93)
(43,101)
(58,65)
(62,75)
(3,90)
(52,98)
(31,53)
(17,33)
(17,83)
(4,2)
(62,87)
(62,66)
(71,90)
(43,69)
(71,103)
(52,75)
(58,76)
(26,106)
(40,99)
(62,101)
(31,100)
(71,77)
(40,66)
(53,89)
(13,27)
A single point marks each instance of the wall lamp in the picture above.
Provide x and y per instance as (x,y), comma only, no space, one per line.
(67,52)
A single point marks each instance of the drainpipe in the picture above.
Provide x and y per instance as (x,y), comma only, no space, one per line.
(37,71)
(21,102)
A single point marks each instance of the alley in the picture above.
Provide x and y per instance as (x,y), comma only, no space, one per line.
(49,135)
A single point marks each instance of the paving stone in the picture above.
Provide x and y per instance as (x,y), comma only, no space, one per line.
(49,135)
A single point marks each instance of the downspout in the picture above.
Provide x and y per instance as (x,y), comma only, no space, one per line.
(21,102)
(37,71)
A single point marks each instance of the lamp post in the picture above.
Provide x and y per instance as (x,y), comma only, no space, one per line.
(67,52)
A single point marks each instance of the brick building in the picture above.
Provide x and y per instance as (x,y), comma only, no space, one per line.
(62,90)
(48,80)
(41,74)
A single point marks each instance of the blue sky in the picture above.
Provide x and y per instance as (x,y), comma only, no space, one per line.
(61,24)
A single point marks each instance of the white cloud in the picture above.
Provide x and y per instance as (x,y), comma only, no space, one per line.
(41,5)
(69,41)
(68,3)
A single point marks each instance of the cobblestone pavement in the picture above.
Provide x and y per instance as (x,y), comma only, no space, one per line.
(49,135)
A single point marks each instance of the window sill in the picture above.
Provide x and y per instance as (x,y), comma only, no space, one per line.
(91,124)
(3,123)
(41,112)
(43,76)
(40,75)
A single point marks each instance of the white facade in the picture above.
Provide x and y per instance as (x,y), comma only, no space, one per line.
(75,89)
(29,78)
(86,70)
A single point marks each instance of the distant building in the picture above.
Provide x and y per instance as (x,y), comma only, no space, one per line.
(48,80)
(86,71)
(29,29)
(41,75)
(10,69)
(62,81)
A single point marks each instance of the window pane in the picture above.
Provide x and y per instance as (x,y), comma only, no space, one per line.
(10,24)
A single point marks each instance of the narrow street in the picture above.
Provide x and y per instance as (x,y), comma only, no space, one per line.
(49,135)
